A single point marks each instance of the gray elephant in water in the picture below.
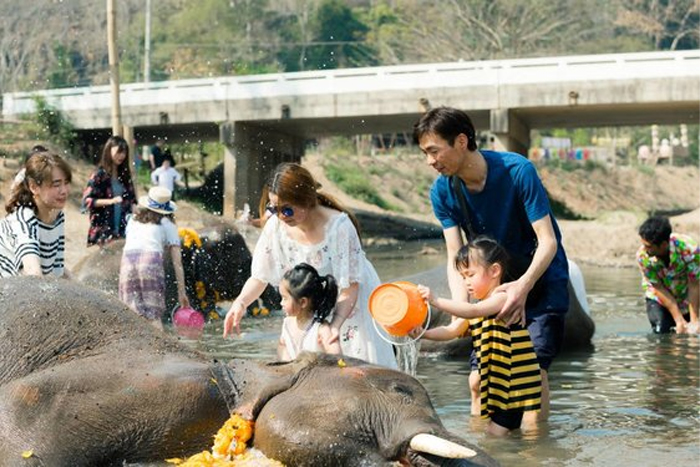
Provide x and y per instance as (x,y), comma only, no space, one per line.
(214,270)
(85,381)
(579,327)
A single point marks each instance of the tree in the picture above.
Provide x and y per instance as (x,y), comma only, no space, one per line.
(670,24)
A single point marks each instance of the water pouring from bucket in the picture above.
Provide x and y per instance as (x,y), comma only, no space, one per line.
(398,308)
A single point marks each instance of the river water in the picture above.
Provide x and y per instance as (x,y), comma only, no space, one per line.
(633,400)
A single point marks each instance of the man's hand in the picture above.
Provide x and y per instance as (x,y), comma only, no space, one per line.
(682,327)
(513,311)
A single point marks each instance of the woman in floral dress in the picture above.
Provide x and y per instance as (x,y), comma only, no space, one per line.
(308,226)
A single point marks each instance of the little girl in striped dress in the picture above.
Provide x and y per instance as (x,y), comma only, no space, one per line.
(505,368)
(307,300)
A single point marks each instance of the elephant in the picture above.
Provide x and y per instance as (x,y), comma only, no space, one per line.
(579,326)
(214,270)
(82,381)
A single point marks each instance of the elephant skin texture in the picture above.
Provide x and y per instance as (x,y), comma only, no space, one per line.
(85,381)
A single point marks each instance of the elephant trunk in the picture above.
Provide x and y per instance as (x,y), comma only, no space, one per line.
(432,444)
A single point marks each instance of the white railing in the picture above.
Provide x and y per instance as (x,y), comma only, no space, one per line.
(641,66)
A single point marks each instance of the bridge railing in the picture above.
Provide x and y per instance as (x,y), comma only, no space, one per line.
(453,74)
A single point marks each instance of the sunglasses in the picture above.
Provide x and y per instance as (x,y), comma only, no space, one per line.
(286,211)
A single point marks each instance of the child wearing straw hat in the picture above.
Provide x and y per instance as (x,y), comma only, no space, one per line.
(141,275)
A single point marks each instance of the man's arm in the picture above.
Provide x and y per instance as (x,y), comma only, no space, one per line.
(514,308)
(453,242)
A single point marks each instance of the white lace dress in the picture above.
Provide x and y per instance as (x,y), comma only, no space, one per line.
(339,254)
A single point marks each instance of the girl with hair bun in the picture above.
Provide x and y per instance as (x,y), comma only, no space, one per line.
(307,300)
(307,225)
(32,240)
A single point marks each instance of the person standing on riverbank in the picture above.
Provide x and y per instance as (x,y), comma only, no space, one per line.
(499,194)
(670,266)
(110,196)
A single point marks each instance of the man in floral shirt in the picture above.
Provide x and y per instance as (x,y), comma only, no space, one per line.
(670,266)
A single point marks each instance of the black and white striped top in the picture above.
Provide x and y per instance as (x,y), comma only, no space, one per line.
(22,234)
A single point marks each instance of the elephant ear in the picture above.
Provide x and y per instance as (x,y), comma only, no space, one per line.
(281,377)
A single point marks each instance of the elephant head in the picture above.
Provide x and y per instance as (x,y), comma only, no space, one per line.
(322,410)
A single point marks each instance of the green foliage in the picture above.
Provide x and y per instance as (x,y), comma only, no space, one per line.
(55,127)
(356,183)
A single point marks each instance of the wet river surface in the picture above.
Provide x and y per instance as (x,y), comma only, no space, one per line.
(632,400)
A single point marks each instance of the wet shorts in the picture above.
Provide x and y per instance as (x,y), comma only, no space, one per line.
(547,334)
(510,419)
(660,318)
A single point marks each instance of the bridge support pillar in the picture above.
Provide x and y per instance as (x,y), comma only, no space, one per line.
(510,132)
(251,153)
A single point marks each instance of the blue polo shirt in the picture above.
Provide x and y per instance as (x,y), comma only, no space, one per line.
(512,199)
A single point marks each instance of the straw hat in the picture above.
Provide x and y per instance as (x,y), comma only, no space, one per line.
(158,200)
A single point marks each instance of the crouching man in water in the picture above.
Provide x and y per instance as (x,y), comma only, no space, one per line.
(670,267)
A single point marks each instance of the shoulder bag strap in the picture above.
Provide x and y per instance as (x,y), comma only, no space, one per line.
(465,223)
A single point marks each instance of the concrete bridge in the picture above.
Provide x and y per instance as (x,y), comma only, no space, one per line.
(266,119)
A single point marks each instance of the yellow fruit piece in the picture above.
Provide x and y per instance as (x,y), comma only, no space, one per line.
(341,363)
(27,454)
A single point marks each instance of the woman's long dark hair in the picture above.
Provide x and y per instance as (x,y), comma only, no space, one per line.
(107,163)
(322,291)
(38,168)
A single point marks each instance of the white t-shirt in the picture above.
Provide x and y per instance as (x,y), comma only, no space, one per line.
(165,177)
(150,237)
(22,234)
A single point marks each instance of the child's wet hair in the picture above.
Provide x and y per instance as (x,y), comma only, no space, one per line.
(322,291)
(484,250)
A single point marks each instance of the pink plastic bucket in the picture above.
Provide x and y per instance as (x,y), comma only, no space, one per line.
(189,318)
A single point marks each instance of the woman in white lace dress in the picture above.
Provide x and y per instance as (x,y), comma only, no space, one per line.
(308,226)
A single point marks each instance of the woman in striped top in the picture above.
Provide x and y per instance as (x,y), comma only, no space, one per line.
(31,235)
(505,379)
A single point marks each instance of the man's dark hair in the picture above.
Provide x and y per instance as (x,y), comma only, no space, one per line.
(448,123)
(655,230)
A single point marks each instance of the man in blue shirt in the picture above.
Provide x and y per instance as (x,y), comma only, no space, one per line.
(504,199)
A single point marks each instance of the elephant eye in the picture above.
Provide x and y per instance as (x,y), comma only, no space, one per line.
(403,390)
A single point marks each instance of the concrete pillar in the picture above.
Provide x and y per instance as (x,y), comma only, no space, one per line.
(510,132)
(251,153)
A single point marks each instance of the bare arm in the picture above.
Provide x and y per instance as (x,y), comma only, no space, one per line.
(31,266)
(694,299)
(344,306)
(514,308)
(252,289)
(324,336)
(176,255)
(453,242)
(669,302)
(103,202)
(487,307)
(455,329)
(282,354)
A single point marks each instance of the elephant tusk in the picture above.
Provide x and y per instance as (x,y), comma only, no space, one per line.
(435,445)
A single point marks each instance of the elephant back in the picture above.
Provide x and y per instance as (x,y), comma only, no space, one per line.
(100,268)
(48,321)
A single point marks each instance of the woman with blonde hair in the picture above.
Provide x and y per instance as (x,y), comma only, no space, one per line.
(32,240)
(309,226)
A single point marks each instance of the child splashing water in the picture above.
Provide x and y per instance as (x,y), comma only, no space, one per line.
(307,300)
(505,379)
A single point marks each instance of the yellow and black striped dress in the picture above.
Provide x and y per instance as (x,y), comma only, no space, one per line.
(508,367)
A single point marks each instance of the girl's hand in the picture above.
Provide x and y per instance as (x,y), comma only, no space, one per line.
(117,200)
(233,318)
(416,332)
(184,301)
(426,294)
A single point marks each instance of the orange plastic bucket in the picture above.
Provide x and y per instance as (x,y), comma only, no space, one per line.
(398,307)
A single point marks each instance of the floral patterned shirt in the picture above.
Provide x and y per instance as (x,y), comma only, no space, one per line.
(684,266)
